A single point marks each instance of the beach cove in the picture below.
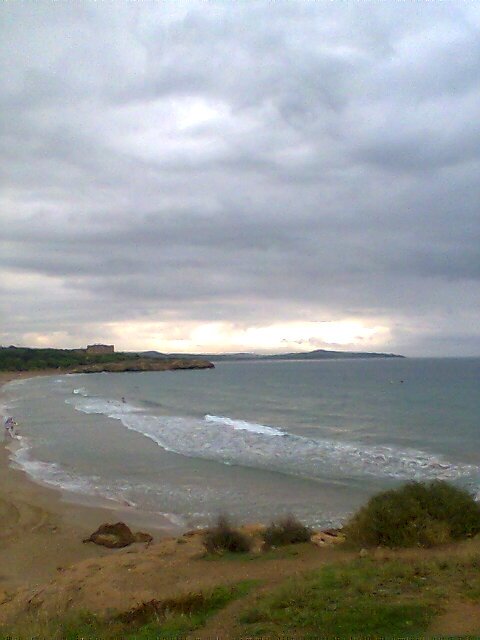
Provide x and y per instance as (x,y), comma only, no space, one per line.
(313,438)
(41,530)
(48,572)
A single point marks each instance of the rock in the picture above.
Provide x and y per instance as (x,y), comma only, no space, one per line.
(363,553)
(194,532)
(141,536)
(324,538)
(113,536)
(145,364)
(333,532)
(118,535)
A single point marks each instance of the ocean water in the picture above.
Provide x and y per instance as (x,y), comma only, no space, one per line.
(256,439)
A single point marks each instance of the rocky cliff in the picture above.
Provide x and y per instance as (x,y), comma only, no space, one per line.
(144,364)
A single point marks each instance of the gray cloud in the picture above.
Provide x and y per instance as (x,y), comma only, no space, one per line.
(247,163)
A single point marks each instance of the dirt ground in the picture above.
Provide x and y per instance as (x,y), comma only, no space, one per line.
(116,580)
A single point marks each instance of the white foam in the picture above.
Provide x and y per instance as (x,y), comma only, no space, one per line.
(229,441)
(52,474)
(243,425)
(80,391)
(110,408)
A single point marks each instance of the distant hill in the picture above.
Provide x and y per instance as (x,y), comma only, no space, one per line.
(152,354)
(318,354)
(324,354)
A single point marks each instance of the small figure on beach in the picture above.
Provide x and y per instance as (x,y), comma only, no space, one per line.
(10,425)
(123,399)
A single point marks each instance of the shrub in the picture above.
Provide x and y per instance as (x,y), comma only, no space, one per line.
(417,514)
(223,537)
(286,530)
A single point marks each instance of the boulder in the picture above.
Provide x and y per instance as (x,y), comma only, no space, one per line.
(328,537)
(142,536)
(113,536)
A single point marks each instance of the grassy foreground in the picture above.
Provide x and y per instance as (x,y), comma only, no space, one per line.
(396,598)
(367,597)
(422,580)
(176,617)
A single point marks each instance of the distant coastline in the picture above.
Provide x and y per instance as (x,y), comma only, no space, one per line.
(98,358)
(318,354)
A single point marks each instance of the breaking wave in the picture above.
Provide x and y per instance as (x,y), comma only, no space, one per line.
(242,425)
(230,441)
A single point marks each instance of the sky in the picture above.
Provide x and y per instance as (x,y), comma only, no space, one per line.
(241,176)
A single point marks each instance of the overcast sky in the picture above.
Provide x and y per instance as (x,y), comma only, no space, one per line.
(223,176)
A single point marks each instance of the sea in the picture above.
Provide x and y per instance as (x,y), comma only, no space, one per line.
(255,439)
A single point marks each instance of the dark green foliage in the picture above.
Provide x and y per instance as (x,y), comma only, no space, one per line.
(223,537)
(417,514)
(24,359)
(286,530)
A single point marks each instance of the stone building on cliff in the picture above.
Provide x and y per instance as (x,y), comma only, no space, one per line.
(100,349)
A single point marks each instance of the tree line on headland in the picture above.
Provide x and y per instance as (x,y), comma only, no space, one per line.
(81,361)
(25,359)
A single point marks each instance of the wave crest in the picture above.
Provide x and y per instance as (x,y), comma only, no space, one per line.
(231,441)
(243,425)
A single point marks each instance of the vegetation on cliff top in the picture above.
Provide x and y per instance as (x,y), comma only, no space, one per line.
(417,514)
(26,359)
(224,537)
(286,530)
(78,360)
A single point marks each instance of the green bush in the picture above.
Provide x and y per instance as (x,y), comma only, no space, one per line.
(286,530)
(223,537)
(417,514)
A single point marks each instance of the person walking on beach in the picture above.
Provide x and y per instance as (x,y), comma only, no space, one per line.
(10,425)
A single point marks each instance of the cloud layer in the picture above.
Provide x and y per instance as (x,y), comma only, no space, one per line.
(172,168)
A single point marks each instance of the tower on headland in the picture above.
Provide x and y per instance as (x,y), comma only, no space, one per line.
(98,349)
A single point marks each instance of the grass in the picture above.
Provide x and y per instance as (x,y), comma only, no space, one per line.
(174,617)
(366,598)
(276,553)
(176,622)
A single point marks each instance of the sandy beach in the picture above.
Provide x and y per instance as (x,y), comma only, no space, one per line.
(43,528)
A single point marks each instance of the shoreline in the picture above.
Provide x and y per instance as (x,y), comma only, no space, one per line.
(43,526)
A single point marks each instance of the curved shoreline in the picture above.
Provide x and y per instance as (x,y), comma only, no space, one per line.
(43,527)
